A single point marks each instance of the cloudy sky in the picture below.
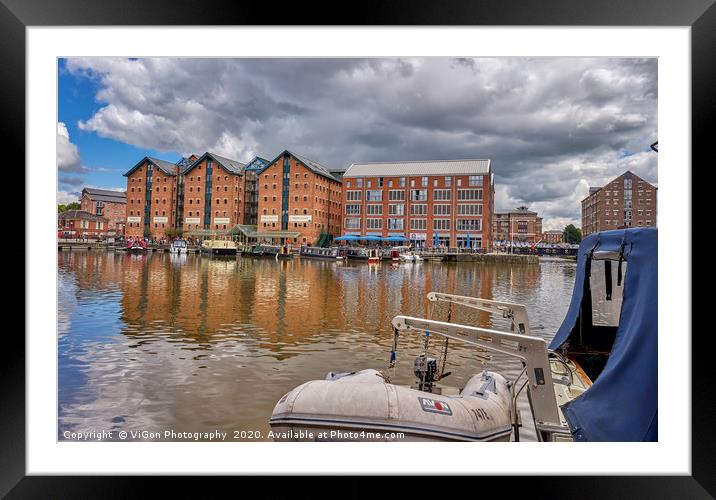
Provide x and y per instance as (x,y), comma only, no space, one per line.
(552,126)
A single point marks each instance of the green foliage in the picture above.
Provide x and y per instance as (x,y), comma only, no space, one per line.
(69,206)
(572,234)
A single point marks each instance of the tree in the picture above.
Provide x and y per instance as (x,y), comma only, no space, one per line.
(69,206)
(572,234)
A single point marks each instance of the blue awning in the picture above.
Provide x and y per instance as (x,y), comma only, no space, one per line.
(348,237)
(622,404)
(395,238)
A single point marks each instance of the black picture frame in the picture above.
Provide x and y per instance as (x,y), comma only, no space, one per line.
(700,15)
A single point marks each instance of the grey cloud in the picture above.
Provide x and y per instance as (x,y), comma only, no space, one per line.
(552,126)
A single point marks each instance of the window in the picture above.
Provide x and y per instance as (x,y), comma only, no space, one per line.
(419,194)
(353,195)
(402,182)
(380,182)
(352,209)
(475,180)
(395,224)
(396,195)
(352,223)
(441,209)
(472,225)
(472,209)
(469,194)
(424,182)
(374,223)
(441,195)
(374,195)
(396,209)
(359,183)
(448,181)
(441,224)
(418,224)
(374,209)
(418,210)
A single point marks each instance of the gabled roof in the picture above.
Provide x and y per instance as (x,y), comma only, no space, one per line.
(232,166)
(311,165)
(419,168)
(257,164)
(105,195)
(167,167)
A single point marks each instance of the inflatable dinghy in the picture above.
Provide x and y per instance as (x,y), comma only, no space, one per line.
(364,406)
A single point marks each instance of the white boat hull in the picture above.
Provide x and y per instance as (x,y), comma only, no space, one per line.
(363,407)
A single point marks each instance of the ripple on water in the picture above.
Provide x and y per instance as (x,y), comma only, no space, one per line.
(203,344)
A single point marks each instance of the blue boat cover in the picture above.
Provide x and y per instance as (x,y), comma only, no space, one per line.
(622,403)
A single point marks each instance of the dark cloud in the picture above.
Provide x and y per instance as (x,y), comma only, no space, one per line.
(552,126)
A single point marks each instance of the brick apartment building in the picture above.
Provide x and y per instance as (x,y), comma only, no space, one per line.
(151,198)
(106,203)
(81,224)
(421,199)
(520,224)
(627,201)
(553,236)
(213,193)
(298,200)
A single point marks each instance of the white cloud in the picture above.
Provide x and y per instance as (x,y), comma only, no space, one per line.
(552,126)
(68,157)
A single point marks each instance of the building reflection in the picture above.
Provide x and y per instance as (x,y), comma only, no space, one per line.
(278,305)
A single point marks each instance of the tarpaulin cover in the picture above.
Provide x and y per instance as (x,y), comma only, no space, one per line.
(622,403)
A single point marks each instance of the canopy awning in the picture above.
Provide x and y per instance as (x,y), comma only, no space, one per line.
(628,383)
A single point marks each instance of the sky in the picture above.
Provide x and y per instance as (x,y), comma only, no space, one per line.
(552,127)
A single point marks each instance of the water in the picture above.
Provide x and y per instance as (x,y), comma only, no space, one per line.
(193,344)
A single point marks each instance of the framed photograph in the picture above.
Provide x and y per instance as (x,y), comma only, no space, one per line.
(331,248)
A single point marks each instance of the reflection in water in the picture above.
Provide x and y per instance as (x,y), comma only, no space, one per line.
(161,342)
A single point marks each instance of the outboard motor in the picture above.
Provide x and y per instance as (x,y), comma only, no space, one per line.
(425,369)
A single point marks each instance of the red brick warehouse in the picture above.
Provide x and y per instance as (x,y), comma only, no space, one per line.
(151,198)
(420,199)
(299,199)
(106,203)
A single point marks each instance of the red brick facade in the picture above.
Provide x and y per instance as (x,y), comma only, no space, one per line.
(81,224)
(311,195)
(627,201)
(553,236)
(442,201)
(520,224)
(151,198)
(105,203)
(213,194)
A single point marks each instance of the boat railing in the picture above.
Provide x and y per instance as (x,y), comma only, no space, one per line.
(531,351)
(516,313)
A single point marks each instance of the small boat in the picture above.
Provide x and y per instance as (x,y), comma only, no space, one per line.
(219,247)
(410,257)
(136,245)
(332,253)
(395,252)
(179,246)
(373,256)
(596,381)
(284,252)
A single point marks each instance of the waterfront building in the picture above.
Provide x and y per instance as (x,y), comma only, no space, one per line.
(251,189)
(213,194)
(151,198)
(520,224)
(106,203)
(81,224)
(443,201)
(299,201)
(553,236)
(627,201)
